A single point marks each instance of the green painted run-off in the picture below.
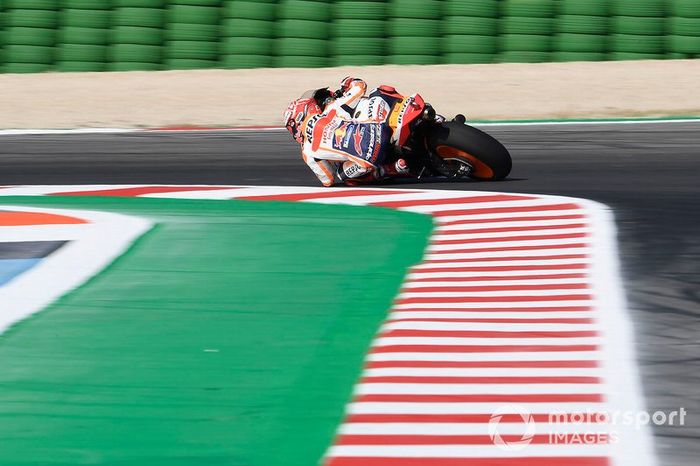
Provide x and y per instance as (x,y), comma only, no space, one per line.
(230,334)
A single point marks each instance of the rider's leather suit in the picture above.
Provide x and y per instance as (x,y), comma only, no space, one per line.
(350,139)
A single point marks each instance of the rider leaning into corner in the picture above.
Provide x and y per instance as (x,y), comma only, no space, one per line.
(344,142)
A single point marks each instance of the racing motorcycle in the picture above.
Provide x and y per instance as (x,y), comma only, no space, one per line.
(430,145)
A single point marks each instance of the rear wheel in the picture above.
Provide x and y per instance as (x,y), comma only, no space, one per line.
(457,144)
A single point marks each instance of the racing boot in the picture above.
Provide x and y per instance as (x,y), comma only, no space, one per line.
(353,174)
(391,170)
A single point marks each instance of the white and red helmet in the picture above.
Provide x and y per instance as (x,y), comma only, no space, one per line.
(295,115)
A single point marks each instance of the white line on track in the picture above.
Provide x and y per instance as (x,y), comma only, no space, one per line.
(478,124)
(482,372)
(466,237)
(499,258)
(454,428)
(493,342)
(419,273)
(466,408)
(501,306)
(494,219)
(466,451)
(451,314)
(418,293)
(466,245)
(444,230)
(563,282)
(552,355)
(476,388)
(489,327)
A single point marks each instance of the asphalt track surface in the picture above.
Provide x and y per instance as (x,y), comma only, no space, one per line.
(648,174)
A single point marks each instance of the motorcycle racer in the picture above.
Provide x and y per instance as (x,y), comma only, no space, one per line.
(338,146)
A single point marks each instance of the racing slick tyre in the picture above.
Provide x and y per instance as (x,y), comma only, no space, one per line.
(454,142)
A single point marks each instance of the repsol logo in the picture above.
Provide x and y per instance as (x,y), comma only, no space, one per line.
(309,129)
(402,112)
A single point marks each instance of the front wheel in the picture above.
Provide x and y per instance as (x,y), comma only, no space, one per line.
(456,143)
